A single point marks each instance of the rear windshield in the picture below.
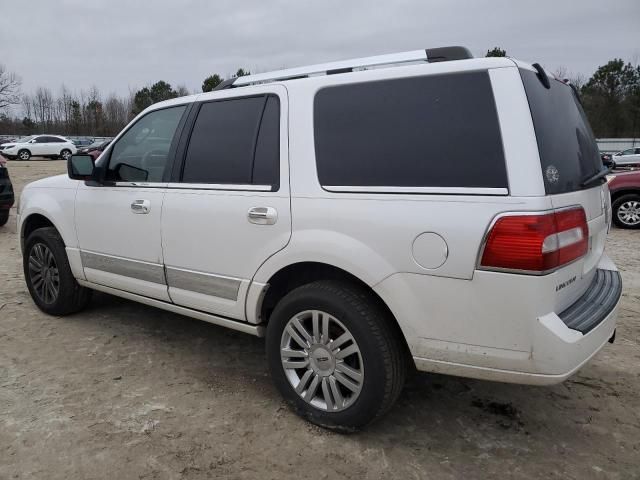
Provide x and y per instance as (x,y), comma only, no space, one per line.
(568,150)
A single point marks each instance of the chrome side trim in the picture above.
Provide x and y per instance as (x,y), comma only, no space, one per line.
(148,272)
(219,186)
(141,184)
(418,190)
(256,330)
(205,283)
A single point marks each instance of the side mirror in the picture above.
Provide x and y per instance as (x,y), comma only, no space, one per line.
(80,167)
(32,141)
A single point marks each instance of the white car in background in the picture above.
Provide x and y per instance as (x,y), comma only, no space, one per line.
(52,146)
(630,156)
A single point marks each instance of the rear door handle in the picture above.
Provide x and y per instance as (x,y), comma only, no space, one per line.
(263,215)
(141,206)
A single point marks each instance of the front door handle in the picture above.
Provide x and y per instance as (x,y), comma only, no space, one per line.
(141,206)
(263,215)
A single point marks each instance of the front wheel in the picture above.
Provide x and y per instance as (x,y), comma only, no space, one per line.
(24,154)
(626,211)
(335,355)
(48,274)
(65,154)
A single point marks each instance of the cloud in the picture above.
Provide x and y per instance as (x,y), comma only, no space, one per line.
(119,45)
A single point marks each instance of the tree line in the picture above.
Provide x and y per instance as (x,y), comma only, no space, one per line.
(610,97)
(87,113)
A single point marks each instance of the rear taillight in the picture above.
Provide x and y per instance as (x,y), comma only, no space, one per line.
(536,243)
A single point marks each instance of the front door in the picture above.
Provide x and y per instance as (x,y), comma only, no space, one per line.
(118,220)
(229,210)
(40,146)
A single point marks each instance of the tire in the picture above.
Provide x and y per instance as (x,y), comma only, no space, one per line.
(64,154)
(4,217)
(45,251)
(379,355)
(626,211)
(24,155)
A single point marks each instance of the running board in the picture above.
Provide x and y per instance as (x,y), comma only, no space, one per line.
(256,330)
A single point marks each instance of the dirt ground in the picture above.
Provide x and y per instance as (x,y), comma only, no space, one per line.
(124,391)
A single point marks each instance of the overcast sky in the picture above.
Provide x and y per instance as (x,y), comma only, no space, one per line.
(120,45)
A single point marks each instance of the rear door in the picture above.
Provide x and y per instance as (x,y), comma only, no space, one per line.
(569,157)
(227,208)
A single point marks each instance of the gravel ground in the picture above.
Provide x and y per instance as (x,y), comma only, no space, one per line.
(124,391)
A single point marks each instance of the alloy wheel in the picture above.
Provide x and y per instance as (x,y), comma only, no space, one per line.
(629,212)
(24,155)
(44,274)
(322,360)
(65,154)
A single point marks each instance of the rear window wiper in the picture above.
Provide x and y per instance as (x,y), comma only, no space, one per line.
(589,180)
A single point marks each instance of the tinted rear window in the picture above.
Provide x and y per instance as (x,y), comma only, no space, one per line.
(432,131)
(568,150)
(235,141)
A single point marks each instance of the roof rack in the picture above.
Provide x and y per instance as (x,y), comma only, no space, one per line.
(429,55)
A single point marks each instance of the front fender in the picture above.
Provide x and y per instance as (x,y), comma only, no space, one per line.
(55,204)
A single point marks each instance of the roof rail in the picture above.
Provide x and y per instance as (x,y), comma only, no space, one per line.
(430,55)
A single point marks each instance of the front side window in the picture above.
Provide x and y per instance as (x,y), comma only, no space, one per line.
(141,154)
(235,141)
(429,131)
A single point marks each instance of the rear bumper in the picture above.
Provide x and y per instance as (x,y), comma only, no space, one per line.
(552,351)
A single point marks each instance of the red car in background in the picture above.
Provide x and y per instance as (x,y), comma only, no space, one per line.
(95,149)
(625,199)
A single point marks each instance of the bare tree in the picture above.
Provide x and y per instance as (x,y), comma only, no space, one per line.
(9,88)
(182,91)
(43,107)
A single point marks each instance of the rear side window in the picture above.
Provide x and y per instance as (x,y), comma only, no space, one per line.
(432,131)
(235,142)
(568,150)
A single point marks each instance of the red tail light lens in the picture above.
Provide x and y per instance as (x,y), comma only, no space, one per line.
(536,243)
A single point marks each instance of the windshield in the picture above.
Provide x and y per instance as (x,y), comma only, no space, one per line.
(24,139)
(568,151)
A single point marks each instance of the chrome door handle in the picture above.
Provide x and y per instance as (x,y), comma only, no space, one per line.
(141,206)
(263,215)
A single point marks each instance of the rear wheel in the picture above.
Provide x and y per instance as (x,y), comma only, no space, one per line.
(24,154)
(48,274)
(65,154)
(626,211)
(334,355)
(4,217)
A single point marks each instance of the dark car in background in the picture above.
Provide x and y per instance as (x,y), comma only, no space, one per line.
(625,199)
(81,143)
(96,148)
(6,192)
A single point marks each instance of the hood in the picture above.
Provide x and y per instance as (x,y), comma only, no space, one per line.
(9,144)
(59,181)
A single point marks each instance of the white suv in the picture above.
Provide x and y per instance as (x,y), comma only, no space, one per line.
(436,211)
(52,146)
